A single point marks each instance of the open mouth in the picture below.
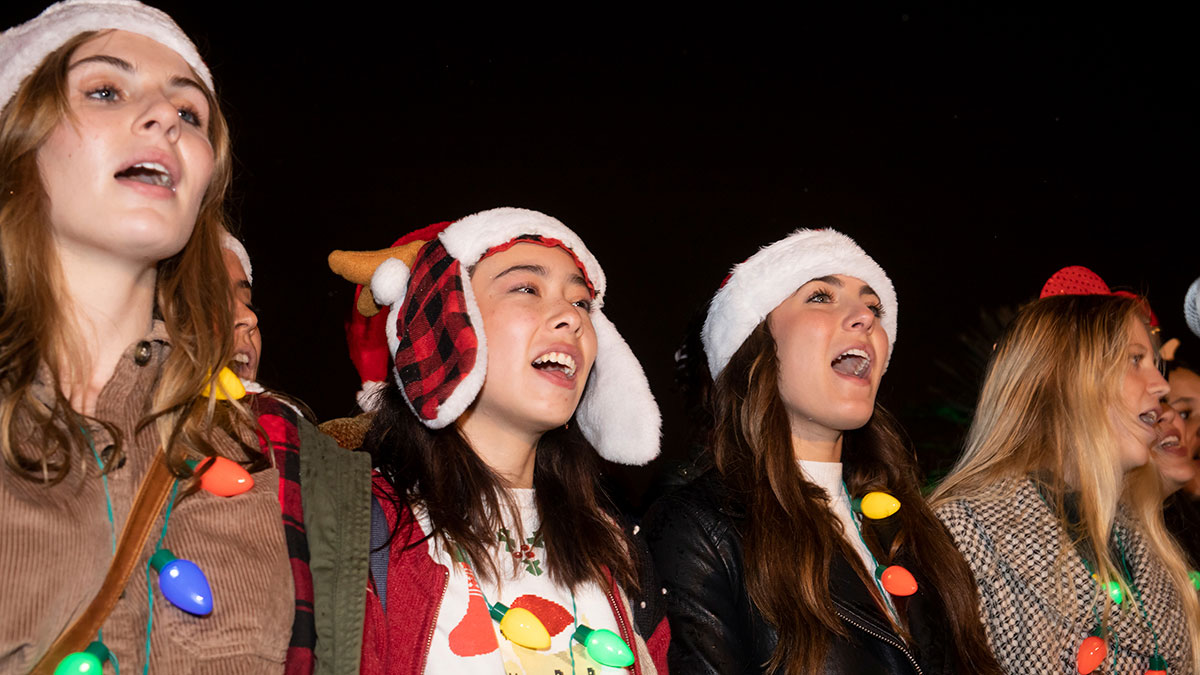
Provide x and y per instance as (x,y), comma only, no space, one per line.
(1170,445)
(556,362)
(853,362)
(240,363)
(1149,417)
(150,173)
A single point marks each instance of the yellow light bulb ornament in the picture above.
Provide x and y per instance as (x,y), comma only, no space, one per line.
(230,386)
(521,626)
(876,505)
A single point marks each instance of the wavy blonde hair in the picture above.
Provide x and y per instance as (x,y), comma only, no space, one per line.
(192,297)
(1045,410)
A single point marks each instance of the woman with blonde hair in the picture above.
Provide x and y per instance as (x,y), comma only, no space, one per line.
(139,522)
(1056,506)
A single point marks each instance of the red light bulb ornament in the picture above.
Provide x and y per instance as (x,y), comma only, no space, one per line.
(182,583)
(1092,652)
(90,661)
(604,646)
(1158,666)
(223,477)
(896,580)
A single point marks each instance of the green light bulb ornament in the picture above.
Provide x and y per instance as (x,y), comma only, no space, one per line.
(1194,575)
(1113,588)
(90,661)
(604,646)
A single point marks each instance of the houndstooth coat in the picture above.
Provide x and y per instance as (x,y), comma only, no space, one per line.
(1036,598)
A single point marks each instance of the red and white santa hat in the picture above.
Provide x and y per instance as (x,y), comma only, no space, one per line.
(757,286)
(439,350)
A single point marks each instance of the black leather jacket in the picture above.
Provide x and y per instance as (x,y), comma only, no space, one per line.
(694,538)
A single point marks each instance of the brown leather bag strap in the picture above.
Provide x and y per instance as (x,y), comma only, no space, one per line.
(151,497)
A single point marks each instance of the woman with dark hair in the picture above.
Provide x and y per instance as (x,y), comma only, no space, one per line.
(1056,504)
(495,548)
(769,563)
(115,330)
(1181,511)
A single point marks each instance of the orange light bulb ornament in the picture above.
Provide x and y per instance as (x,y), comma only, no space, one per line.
(1092,652)
(223,477)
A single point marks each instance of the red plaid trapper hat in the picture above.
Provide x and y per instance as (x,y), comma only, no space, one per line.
(434,332)
(437,347)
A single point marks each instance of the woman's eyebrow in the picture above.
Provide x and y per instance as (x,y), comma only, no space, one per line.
(532,269)
(122,64)
(867,290)
(105,58)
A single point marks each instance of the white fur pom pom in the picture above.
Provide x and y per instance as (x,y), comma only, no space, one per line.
(390,282)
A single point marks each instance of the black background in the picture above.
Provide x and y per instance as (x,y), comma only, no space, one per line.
(971,152)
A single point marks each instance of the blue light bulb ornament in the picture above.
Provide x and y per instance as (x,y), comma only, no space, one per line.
(604,646)
(90,661)
(182,583)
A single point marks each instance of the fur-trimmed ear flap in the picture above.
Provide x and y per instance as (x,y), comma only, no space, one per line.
(389,282)
(618,414)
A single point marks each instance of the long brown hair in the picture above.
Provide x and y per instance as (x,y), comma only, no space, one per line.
(192,296)
(1044,410)
(436,469)
(790,537)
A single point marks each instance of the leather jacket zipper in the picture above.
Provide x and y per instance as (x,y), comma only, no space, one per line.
(884,638)
(436,612)
(626,634)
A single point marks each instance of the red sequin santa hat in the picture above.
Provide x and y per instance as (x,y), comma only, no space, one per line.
(438,349)
(1079,280)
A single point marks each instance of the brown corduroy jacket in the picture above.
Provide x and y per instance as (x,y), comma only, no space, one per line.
(56,543)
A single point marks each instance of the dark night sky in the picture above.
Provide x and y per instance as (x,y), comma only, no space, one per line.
(972,154)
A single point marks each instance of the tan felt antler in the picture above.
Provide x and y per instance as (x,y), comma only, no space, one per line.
(358,266)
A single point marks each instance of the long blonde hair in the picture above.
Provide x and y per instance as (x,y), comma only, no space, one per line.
(1044,410)
(192,297)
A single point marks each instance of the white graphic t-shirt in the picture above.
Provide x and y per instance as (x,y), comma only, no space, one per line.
(467,641)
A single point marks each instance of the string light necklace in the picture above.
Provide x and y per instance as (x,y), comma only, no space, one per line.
(181,581)
(893,579)
(522,627)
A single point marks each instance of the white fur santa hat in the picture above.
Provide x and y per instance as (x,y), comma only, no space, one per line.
(767,278)
(24,47)
(434,333)
(233,245)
